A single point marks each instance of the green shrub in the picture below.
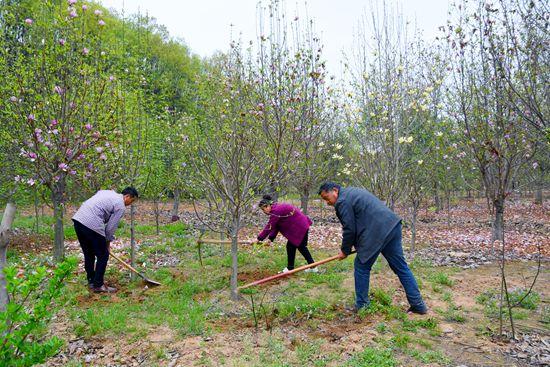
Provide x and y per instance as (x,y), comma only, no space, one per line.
(31,306)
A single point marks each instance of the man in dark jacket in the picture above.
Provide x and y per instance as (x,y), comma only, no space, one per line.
(372,228)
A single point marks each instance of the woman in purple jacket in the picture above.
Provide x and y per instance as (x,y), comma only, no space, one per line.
(292,223)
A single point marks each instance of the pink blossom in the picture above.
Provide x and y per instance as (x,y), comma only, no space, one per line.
(13,99)
(71,129)
(31,117)
(57,89)
(73,14)
(71,2)
(62,41)
(103,157)
(28,21)
(63,166)
(98,12)
(101,22)
(88,127)
(53,123)
(535,165)
(32,156)
(72,172)
(85,51)
(84,7)
(30,182)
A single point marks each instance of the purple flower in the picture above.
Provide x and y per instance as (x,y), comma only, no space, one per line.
(32,156)
(73,13)
(56,178)
(13,99)
(99,149)
(81,157)
(98,12)
(103,157)
(53,123)
(84,7)
(72,172)
(90,166)
(30,182)
(535,165)
(63,166)
(71,2)
(31,117)
(88,127)
(17,178)
(72,105)
(55,131)
(101,22)
(95,134)
(111,78)
(57,89)
(62,41)
(85,51)
(47,144)
(28,21)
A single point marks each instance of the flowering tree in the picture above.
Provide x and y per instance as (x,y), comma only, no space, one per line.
(383,102)
(62,98)
(499,138)
(230,163)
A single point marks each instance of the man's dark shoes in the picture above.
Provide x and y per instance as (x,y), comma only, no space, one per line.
(418,310)
(103,289)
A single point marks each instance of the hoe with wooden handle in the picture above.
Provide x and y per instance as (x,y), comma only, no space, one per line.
(145,279)
(281,275)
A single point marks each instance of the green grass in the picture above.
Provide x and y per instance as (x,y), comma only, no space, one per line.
(431,356)
(372,357)
(491,300)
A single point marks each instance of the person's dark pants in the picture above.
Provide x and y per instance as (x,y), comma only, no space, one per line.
(291,252)
(393,252)
(94,246)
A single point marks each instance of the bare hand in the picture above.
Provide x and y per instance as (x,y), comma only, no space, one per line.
(341,255)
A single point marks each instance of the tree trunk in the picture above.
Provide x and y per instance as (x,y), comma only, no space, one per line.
(157,215)
(538,190)
(413,229)
(176,205)
(498,220)
(132,240)
(36,211)
(304,200)
(234,260)
(437,199)
(59,234)
(7,221)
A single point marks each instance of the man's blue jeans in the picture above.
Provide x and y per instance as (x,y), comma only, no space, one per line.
(393,252)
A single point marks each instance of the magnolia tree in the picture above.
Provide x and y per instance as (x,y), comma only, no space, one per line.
(383,102)
(63,100)
(231,163)
(499,138)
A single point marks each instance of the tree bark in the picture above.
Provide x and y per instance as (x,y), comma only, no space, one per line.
(413,229)
(157,215)
(498,219)
(176,205)
(132,240)
(304,201)
(5,227)
(59,234)
(234,260)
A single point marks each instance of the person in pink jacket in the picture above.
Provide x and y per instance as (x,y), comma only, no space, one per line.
(292,224)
